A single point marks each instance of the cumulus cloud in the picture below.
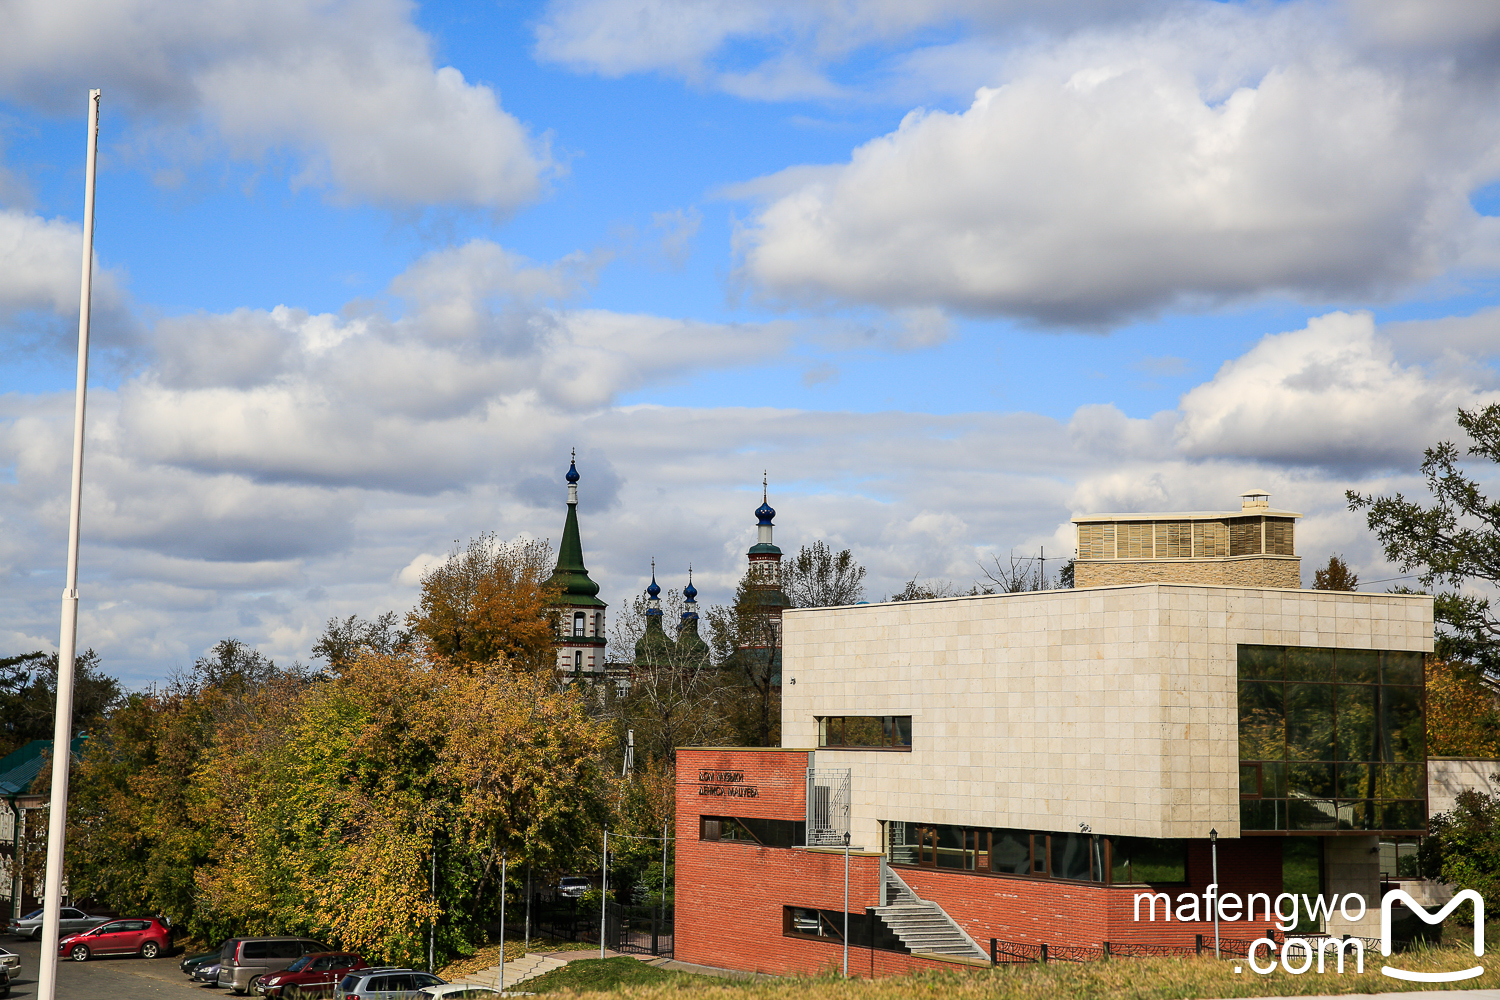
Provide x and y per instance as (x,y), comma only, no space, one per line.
(1331,394)
(1191,161)
(349,89)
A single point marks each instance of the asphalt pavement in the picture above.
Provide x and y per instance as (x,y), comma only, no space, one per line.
(108,978)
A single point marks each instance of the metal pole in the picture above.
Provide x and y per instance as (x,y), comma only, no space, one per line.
(604,893)
(527,945)
(664,876)
(846,904)
(62,729)
(502,920)
(1213,840)
(15,860)
(432,921)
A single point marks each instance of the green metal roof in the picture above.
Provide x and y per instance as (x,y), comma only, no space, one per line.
(20,768)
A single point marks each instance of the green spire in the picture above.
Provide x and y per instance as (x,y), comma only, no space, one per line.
(571,576)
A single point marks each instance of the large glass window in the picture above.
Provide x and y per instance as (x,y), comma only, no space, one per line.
(828,925)
(1079,857)
(1331,739)
(879,732)
(756,832)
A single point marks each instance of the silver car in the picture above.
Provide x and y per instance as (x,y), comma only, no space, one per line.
(385,984)
(11,961)
(71,921)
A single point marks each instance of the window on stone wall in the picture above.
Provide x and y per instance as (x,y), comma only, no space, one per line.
(1091,542)
(1174,539)
(1210,539)
(1135,540)
(1279,538)
(872,732)
(1331,739)
(1077,857)
(1244,536)
(1143,860)
(578,620)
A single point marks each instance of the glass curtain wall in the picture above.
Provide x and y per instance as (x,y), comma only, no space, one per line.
(1079,857)
(1331,740)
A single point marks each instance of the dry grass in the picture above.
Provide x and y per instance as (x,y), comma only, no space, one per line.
(1120,979)
(489,956)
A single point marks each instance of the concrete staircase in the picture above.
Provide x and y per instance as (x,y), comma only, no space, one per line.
(516,972)
(922,925)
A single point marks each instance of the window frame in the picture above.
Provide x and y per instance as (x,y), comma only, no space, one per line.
(888,725)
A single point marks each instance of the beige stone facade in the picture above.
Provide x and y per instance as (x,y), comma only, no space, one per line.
(1231,571)
(1447,776)
(1113,707)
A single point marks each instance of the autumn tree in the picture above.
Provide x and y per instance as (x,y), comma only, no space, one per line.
(1463,711)
(746,640)
(818,577)
(489,602)
(28,696)
(1335,576)
(345,640)
(1453,541)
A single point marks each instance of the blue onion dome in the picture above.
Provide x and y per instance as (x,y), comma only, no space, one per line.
(690,592)
(765,512)
(572,475)
(653,591)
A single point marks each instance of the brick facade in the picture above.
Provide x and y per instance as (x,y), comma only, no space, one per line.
(1284,572)
(730,896)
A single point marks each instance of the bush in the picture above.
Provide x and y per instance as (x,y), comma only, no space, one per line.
(1463,846)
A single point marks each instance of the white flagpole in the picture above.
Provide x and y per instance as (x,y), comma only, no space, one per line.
(62,729)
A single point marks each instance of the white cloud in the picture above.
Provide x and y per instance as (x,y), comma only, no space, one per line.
(1216,155)
(1330,394)
(349,88)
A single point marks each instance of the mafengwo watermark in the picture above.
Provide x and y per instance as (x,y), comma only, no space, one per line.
(1298,954)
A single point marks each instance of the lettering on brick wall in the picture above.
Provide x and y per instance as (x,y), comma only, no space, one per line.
(726,785)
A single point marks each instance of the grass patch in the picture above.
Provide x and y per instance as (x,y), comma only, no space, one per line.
(489,956)
(1185,978)
(615,975)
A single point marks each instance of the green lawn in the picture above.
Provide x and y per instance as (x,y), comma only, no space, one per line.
(607,975)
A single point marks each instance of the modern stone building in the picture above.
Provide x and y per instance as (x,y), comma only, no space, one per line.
(1022,767)
(1252,547)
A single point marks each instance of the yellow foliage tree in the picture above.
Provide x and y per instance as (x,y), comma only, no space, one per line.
(488,603)
(1463,712)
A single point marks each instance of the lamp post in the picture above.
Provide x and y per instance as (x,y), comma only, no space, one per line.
(502,919)
(846,904)
(1213,843)
(62,728)
(603,893)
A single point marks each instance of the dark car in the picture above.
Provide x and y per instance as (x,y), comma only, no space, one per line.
(143,936)
(207,972)
(4,982)
(310,975)
(190,963)
(572,887)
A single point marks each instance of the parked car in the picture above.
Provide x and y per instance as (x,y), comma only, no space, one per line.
(247,958)
(572,887)
(191,962)
(310,975)
(143,936)
(459,991)
(208,972)
(4,982)
(70,921)
(11,961)
(384,984)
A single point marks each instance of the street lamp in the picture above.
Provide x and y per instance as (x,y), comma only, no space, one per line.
(846,904)
(1213,843)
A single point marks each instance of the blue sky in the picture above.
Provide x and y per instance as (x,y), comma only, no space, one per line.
(951,271)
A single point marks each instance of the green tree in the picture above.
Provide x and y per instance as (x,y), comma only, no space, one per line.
(746,641)
(344,640)
(1463,846)
(28,697)
(1335,576)
(1454,540)
(818,577)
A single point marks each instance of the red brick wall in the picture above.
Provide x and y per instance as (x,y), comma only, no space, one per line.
(730,896)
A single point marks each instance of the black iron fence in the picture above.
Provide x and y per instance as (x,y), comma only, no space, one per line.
(1023,953)
(629,929)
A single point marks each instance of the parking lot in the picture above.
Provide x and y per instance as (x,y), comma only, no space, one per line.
(105,978)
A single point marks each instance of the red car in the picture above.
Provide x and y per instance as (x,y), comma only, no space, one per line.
(312,975)
(143,936)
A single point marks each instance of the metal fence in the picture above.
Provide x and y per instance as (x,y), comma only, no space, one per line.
(827,806)
(1023,953)
(629,929)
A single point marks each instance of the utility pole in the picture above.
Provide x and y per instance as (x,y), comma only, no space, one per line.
(846,904)
(502,921)
(67,646)
(432,921)
(604,893)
